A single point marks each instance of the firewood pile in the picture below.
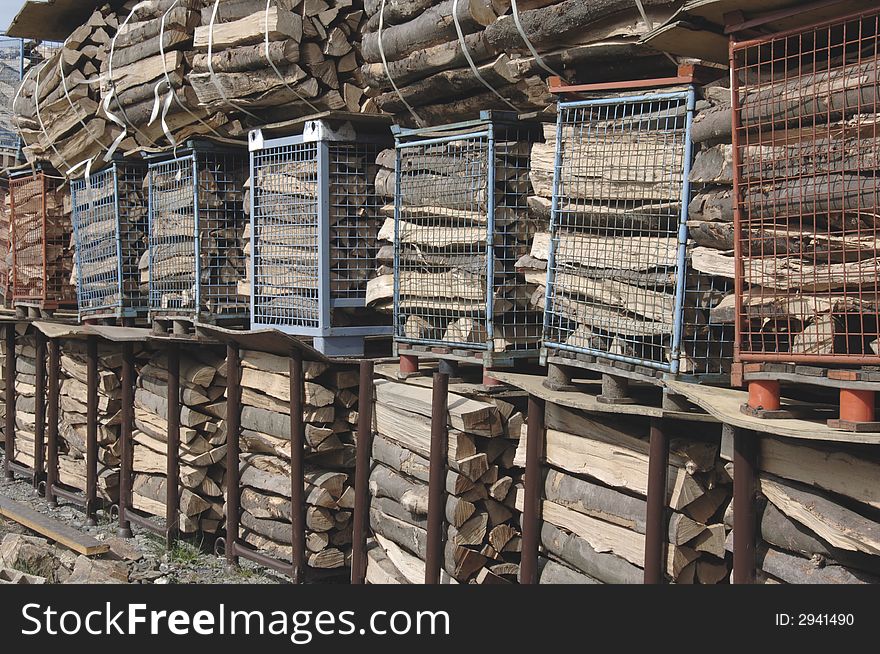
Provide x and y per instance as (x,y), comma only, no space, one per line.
(427,49)
(25,400)
(330,420)
(817,512)
(482,538)
(202,439)
(5,251)
(594,505)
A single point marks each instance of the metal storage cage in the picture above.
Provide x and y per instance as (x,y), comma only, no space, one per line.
(806,119)
(619,288)
(42,260)
(5,251)
(195,228)
(461,222)
(110,231)
(315,218)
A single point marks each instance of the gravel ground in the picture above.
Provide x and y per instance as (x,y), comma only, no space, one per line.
(188,562)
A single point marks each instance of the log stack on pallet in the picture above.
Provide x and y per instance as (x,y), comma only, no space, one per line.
(202,449)
(73,422)
(25,400)
(594,501)
(482,537)
(428,62)
(817,512)
(330,418)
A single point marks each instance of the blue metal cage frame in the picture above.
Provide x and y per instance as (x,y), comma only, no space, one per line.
(196,223)
(314,218)
(621,190)
(109,215)
(461,222)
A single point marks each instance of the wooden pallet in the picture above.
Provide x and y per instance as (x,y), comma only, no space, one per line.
(52,529)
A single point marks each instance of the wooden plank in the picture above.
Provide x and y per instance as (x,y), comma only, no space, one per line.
(51,528)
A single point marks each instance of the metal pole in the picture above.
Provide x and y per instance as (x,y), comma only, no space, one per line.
(297,473)
(39,409)
(437,478)
(655,532)
(745,459)
(233,432)
(91,429)
(52,420)
(532,508)
(125,433)
(9,443)
(362,474)
(172,462)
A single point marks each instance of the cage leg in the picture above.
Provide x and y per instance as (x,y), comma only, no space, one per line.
(764,400)
(615,390)
(409,365)
(340,346)
(21,312)
(179,327)
(157,328)
(675,402)
(558,378)
(33,313)
(856,411)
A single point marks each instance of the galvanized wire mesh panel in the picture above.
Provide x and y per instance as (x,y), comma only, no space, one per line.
(42,259)
(10,77)
(196,222)
(285,236)
(806,143)
(617,281)
(461,223)
(110,227)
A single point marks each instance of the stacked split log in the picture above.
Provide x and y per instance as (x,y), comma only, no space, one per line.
(594,501)
(202,440)
(73,421)
(330,418)
(428,62)
(482,540)
(625,302)
(25,400)
(5,250)
(442,267)
(817,512)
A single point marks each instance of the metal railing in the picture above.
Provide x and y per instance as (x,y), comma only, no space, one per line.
(110,229)
(315,219)
(805,174)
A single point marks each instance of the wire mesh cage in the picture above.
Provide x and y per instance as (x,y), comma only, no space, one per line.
(5,251)
(618,282)
(42,256)
(196,221)
(110,230)
(315,219)
(461,224)
(806,136)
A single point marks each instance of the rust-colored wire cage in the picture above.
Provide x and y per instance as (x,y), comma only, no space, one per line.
(42,255)
(5,253)
(806,161)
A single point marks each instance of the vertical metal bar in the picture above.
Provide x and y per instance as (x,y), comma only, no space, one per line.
(297,472)
(531,519)
(745,463)
(681,272)
(125,433)
(44,263)
(655,532)
(437,478)
(739,271)
(362,474)
(121,294)
(197,239)
(256,245)
(323,221)
(9,441)
(91,429)
(233,432)
(52,420)
(398,201)
(39,408)
(554,224)
(172,459)
(490,243)
(78,237)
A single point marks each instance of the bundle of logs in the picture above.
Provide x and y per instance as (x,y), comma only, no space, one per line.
(426,51)
(212,203)
(594,493)
(330,418)
(212,65)
(202,440)
(25,399)
(817,512)
(443,232)
(42,242)
(73,418)
(482,541)
(615,259)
